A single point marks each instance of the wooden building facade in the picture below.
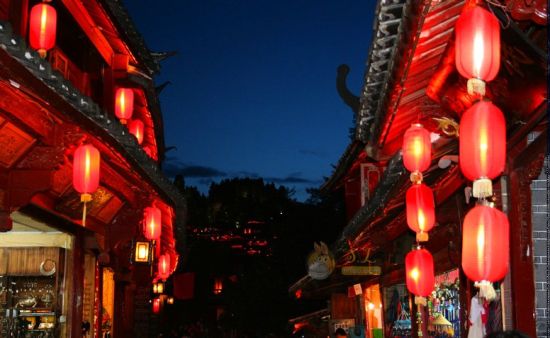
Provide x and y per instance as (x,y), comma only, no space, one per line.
(411,77)
(58,276)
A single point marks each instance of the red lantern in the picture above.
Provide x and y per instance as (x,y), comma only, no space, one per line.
(156,305)
(153,225)
(419,266)
(485,244)
(417,150)
(420,210)
(86,171)
(164,266)
(482,146)
(43,22)
(477,47)
(124,104)
(136,128)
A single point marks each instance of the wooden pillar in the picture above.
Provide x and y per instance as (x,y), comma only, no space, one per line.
(526,167)
(78,284)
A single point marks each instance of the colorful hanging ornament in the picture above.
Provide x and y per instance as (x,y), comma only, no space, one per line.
(417,151)
(42,28)
(477,48)
(485,247)
(482,146)
(124,104)
(420,210)
(86,165)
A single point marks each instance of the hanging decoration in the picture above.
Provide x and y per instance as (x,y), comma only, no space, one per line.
(152,223)
(482,146)
(164,267)
(477,49)
(42,28)
(86,164)
(419,266)
(420,210)
(136,128)
(417,151)
(156,305)
(417,157)
(124,104)
(485,247)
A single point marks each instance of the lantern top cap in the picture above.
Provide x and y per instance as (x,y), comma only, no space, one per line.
(417,124)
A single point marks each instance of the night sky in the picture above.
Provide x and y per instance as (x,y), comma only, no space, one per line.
(253,89)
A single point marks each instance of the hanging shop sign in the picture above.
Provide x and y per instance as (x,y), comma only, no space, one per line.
(320,262)
(359,270)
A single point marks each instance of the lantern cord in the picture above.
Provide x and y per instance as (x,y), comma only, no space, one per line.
(504,9)
(84,215)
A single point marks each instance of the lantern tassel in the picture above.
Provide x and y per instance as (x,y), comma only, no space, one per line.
(422,236)
(486,290)
(85,198)
(476,86)
(482,187)
(419,300)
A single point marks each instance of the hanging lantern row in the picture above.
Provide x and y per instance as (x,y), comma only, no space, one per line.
(477,52)
(482,144)
(417,156)
(42,28)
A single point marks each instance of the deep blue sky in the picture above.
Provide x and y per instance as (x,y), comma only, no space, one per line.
(253,84)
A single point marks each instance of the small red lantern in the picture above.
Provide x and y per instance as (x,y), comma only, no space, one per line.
(164,267)
(152,223)
(485,244)
(124,104)
(43,22)
(417,150)
(420,210)
(136,128)
(482,146)
(419,266)
(156,305)
(477,47)
(86,173)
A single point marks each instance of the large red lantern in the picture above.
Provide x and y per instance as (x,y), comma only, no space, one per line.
(124,104)
(419,266)
(477,47)
(482,146)
(136,128)
(420,210)
(156,305)
(86,164)
(152,223)
(43,22)
(164,266)
(485,244)
(417,150)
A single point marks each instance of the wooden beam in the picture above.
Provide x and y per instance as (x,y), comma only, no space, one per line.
(90,28)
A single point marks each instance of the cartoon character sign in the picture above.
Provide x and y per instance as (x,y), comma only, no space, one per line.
(320,262)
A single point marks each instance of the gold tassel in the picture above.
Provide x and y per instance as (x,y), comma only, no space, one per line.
(476,86)
(486,290)
(482,188)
